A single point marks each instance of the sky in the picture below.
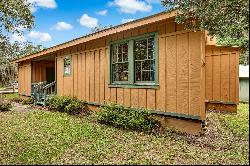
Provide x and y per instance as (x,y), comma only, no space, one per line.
(58,21)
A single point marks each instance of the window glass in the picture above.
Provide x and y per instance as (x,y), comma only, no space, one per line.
(67,65)
(134,61)
(144,59)
(120,62)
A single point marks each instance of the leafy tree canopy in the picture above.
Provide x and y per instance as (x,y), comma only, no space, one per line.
(15,15)
(227,19)
(100,28)
(9,52)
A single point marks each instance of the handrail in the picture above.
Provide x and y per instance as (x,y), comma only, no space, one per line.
(41,91)
(49,85)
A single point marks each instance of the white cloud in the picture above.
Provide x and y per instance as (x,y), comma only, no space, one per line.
(42,37)
(88,21)
(18,38)
(131,6)
(43,4)
(102,12)
(63,26)
(125,20)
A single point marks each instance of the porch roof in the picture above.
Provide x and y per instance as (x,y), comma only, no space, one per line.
(102,33)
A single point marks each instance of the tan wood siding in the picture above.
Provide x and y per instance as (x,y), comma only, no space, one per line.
(79,76)
(182,73)
(24,78)
(222,78)
(184,83)
(179,72)
(59,75)
(171,75)
(39,70)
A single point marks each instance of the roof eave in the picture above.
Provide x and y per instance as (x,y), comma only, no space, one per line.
(103,33)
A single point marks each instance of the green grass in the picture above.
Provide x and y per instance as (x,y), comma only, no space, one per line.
(239,126)
(11,96)
(42,137)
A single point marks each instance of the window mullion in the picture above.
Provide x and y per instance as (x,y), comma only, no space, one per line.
(131,61)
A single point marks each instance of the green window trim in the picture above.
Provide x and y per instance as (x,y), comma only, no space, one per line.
(70,66)
(132,83)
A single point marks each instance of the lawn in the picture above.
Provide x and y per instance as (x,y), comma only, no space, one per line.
(43,137)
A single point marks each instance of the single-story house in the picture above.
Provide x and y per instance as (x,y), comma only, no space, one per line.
(244,82)
(151,62)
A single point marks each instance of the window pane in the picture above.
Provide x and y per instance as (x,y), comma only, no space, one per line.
(138,76)
(125,52)
(119,53)
(148,65)
(140,49)
(120,62)
(144,59)
(147,75)
(151,48)
(120,72)
(66,65)
(114,54)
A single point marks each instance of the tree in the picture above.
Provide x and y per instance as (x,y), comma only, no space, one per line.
(227,19)
(100,28)
(9,52)
(15,15)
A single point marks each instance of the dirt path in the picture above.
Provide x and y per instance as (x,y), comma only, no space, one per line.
(21,108)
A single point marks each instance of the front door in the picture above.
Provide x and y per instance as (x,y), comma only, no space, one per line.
(50,74)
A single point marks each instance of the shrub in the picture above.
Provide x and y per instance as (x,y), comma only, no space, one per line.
(26,101)
(5,106)
(75,107)
(58,103)
(13,97)
(127,118)
(17,99)
(67,104)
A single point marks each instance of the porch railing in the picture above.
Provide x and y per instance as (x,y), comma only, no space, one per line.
(42,91)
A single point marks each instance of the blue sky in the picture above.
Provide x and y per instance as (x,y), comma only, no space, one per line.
(58,21)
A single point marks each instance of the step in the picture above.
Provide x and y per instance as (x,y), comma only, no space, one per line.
(40,103)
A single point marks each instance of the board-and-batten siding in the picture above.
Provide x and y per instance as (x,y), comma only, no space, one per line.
(39,70)
(222,75)
(24,79)
(180,72)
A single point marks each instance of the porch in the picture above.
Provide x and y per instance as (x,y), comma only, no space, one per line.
(43,79)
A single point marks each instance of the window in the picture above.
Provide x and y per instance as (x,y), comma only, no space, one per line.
(67,66)
(144,59)
(120,62)
(134,61)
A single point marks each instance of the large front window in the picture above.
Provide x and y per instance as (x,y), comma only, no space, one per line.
(133,61)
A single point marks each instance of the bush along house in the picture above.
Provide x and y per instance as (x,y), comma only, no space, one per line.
(152,63)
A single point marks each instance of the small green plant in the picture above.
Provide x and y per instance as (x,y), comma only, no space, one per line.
(26,101)
(5,106)
(17,99)
(237,124)
(67,104)
(75,107)
(14,97)
(58,103)
(127,118)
